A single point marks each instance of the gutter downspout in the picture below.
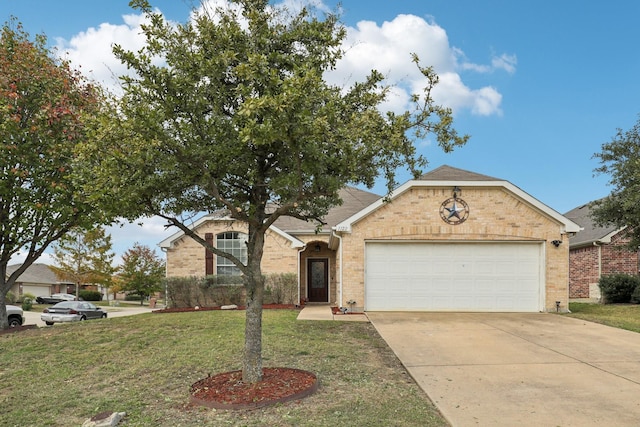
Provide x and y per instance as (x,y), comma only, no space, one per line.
(340,264)
(599,246)
(298,272)
(166,282)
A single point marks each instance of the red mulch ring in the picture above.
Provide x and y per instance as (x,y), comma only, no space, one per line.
(278,385)
(241,307)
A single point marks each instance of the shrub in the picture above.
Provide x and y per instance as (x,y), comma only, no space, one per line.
(10,298)
(618,288)
(90,295)
(635,296)
(133,297)
(210,291)
(282,288)
(26,296)
(27,303)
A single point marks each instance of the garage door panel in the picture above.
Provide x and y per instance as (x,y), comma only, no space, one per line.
(453,276)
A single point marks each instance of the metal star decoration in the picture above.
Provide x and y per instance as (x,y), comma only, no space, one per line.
(454,211)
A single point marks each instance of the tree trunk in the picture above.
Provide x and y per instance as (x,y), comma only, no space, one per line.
(254,284)
(4,320)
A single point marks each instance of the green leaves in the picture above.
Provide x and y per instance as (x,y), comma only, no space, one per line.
(620,159)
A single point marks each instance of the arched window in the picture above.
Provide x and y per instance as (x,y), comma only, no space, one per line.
(234,243)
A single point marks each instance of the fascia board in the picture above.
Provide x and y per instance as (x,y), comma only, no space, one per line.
(295,243)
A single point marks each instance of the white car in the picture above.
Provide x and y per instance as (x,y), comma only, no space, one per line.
(15,316)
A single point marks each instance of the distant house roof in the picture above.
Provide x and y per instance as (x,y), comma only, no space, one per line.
(445,176)
(35,273)
(591,232)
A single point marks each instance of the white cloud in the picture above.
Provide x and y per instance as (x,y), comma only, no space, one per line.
(91,50)
(388,47)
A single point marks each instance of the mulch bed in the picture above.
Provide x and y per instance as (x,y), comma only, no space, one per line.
(278,385)
(189,309)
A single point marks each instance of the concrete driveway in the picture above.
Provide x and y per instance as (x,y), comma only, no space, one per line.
(520,369)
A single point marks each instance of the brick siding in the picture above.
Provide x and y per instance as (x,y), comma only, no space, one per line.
(587,264)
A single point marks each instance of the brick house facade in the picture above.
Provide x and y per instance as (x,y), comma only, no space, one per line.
(451,240)
(594,252)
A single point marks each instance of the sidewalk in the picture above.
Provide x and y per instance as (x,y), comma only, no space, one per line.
(323,312)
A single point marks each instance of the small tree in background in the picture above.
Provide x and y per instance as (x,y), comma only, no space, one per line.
(84,257)
(142,271)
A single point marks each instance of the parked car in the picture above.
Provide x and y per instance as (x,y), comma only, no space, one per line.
(71,311)
(55,298)
(15,315)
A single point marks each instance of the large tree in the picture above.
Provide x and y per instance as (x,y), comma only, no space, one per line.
(620,159)
(43,106)
(239,117)
(84,257)
(141,271)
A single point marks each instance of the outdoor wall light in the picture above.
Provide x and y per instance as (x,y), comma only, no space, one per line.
(556,243)
(317,248)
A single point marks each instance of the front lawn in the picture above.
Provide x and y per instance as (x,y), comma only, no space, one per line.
(144,365)
(623,316)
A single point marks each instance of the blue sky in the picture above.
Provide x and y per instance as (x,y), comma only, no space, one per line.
(539,85)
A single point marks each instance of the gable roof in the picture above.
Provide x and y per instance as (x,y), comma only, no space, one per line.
(447,176)
(448,173)
(353,200)
(591,232)
(35,273)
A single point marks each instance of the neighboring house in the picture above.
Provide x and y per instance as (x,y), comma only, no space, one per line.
(38,280)
(451,240)
(594,252)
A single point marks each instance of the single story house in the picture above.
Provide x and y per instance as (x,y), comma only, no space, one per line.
(452,240)
(596,251)
(37,280)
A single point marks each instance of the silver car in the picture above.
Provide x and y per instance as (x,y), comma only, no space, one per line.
(71,311)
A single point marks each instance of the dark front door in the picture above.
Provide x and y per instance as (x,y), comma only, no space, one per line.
(318,280)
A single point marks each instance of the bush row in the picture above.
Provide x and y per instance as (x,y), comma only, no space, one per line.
(620,288)
(215,291)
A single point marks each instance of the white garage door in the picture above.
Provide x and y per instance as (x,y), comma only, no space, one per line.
(453,276)
(37,290)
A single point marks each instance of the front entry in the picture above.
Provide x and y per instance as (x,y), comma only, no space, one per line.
(318,280)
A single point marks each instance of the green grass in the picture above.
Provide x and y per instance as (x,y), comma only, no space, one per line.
(623,316)
(144,365)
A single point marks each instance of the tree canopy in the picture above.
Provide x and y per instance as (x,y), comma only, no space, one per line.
(239,117)
(620,159)
(44,106)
